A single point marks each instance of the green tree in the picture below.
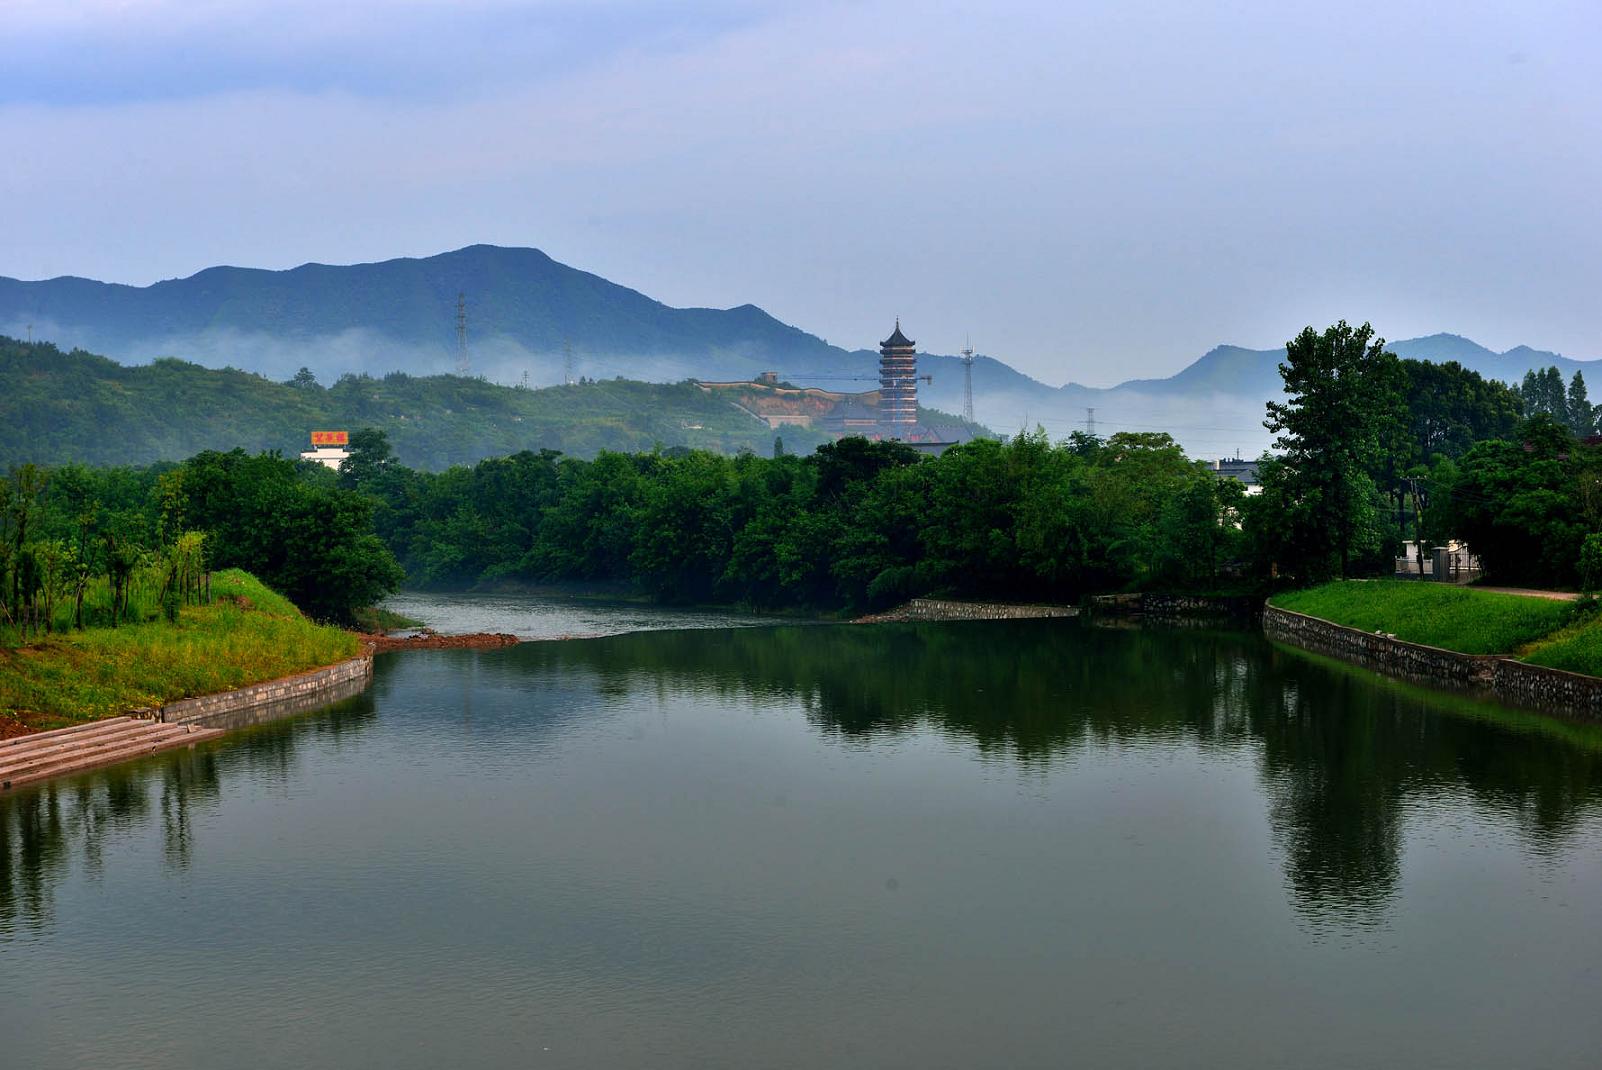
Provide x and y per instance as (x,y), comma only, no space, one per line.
(1345,400)
(1582,417)
(1520,504)
(367,456)
(1591,562)
(1555,397)
(314,543)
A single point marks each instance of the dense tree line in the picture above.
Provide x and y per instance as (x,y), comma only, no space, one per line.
(1529,504)
(83,547)
(856,524)
(1544,394)
(1366,442)
(1373,450)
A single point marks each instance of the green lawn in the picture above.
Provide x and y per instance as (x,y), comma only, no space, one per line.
(1454,618)
(247,634)
(1577,648)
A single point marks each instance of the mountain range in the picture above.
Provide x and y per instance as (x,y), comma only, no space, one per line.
(529,315)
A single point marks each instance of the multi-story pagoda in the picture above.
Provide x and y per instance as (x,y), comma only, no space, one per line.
(898,381)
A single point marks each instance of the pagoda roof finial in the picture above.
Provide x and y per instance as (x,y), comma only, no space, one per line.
(896,340)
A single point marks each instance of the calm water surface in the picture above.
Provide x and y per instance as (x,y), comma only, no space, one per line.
(1032,844)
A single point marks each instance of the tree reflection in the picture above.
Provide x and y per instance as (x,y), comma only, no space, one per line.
(1344,758)
(1342,754)
(43,829)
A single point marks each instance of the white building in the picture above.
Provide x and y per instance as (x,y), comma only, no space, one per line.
(328,448)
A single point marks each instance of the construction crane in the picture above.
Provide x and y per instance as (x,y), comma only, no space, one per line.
(847,378)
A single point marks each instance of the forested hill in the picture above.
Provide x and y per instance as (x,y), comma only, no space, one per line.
(57,407)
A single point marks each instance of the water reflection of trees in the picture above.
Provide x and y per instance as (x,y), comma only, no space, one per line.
(1341,754)
(43,829)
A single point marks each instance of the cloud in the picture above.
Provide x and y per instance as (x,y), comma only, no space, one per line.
(102,51)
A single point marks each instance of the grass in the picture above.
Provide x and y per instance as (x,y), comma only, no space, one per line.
(1441,615)
(1576,648)
(375,620)
(246,635)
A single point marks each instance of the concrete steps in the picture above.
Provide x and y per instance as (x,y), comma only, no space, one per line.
(28,759)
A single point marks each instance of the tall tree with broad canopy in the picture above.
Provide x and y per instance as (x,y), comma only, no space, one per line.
(1346,402)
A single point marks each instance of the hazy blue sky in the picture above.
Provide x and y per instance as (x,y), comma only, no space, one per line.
(1094,191)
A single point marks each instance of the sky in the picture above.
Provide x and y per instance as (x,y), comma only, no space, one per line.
(1089,191)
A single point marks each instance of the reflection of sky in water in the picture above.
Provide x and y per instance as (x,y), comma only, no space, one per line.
(935,845)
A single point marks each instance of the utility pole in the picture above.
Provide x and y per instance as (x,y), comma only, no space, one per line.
(967,380)
(463,365)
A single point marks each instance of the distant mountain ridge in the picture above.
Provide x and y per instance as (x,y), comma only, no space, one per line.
(525,310)
(400,312)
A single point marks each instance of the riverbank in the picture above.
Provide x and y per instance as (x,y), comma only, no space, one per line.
(1461,619)
(428,639)
(1522,649)
(247,635)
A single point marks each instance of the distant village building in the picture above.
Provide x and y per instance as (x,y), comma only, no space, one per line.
(1240,471)
(328,448)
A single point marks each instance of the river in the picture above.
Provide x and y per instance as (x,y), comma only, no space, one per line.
(1017,844)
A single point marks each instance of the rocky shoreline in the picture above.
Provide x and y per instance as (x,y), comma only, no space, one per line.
(428,639)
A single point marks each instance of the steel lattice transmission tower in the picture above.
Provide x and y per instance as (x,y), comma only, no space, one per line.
(463,365)
(967,381)
(567,363)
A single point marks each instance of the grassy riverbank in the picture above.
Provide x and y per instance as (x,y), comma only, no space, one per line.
(1450,617)
(1577,648)
(247,634)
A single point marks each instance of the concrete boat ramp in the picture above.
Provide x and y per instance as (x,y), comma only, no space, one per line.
(26,759)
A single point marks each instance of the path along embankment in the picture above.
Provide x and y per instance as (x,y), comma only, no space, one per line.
(1494,676)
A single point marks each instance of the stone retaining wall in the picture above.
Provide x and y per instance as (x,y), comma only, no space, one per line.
(1552,690)
(1157,604)
(290,693)
(1504,679)
(937,609)
(1199,605)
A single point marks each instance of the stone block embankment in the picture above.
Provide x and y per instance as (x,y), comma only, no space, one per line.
(1494,676)
(1178,606)
(944,609)
(280,697)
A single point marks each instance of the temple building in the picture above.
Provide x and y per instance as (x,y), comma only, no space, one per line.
(887,414)
(898,381)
